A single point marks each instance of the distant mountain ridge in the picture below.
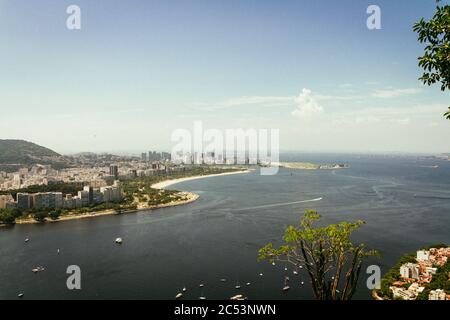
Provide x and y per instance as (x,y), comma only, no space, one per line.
(17,153)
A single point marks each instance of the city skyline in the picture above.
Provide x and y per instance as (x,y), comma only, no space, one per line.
(135,73)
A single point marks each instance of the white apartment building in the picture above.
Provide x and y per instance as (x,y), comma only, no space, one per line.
(437,294)
(410,271)
(423,255)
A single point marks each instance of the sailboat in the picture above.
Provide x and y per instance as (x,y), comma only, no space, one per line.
(179,295)
(286,287)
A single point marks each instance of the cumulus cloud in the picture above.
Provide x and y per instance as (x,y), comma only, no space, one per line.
(307,105)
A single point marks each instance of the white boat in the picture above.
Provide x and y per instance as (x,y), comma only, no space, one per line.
(286,288)
(179,295)
(184,289)
(38,269)
(295,272)
(285,269)
(237,297)
(202,298)
(201,285)
(248,283)
(223,280)
(20,295)
(26,240)
(119,240)
(261,274)
(273,263)
(303,283)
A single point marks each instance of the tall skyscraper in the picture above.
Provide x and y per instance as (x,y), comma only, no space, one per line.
(114,171)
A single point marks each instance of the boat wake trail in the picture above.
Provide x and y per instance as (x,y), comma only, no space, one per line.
(277,204)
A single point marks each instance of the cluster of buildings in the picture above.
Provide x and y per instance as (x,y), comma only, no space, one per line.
(415,276)
(153,156)
(25,177)
(226,158)
(56,200)
(96,176)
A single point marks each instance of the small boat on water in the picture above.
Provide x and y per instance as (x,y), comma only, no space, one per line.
(286,287)
(302,283)
(248,283)
(38,269)
(26,240)
(119,241)
(202,298)
(20,295)
(273,263)
(179,296)
(184,289)
(223,280)
(285,269)
(261,274)
(238,297)
(295,272)
(238,286)
(201,285)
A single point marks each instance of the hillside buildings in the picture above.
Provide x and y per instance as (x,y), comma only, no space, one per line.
(418,275)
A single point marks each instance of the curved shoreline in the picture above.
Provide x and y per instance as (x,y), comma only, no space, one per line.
(191,197)
(166,183)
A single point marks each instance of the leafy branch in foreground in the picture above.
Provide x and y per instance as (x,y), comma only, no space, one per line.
(331,260)
(435,62)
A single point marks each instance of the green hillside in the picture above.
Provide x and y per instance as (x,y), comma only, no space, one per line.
(17,153)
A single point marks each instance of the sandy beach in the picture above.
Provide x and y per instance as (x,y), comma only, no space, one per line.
(190,197)
(166,183)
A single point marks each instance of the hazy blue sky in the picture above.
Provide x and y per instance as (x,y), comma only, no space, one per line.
(137,70)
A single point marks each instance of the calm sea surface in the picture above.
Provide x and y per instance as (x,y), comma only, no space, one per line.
(405,202)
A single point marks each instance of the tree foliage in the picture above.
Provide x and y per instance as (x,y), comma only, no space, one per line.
(332,261)
(40,216)
(435,34)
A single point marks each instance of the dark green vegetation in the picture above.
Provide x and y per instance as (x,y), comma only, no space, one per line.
(435,34)
(19,153)
(9,216)
(333,263)
(439,281)
(139,188)
(65,188)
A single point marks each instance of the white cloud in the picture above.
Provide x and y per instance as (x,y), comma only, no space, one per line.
(264,101)
(395,93)
(307,105)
